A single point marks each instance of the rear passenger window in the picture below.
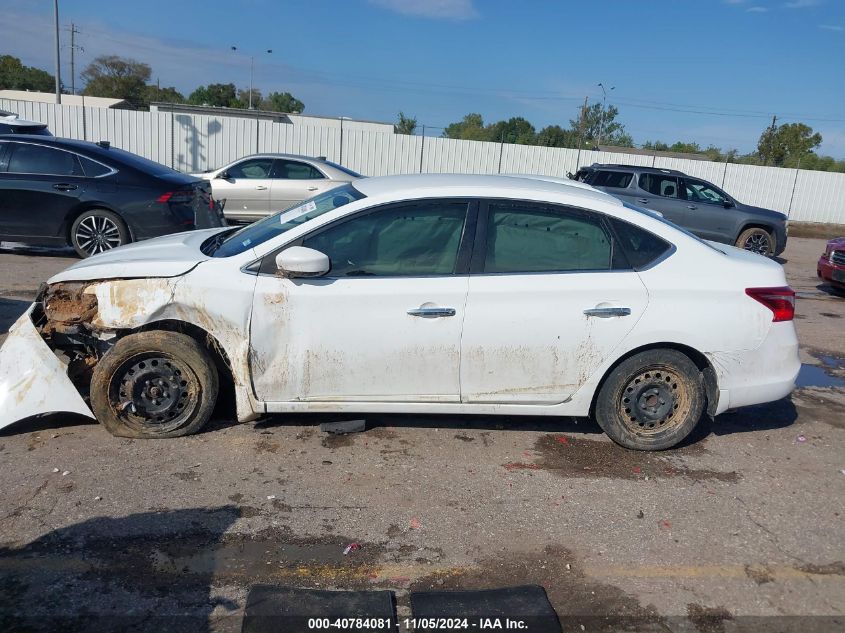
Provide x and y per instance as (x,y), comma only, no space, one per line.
(524,238)
(37,159)
(92,168)
(293,170)
(659,185)
(641,247)
(618,179)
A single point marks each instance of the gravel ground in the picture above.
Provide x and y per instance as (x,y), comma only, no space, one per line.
(740,525)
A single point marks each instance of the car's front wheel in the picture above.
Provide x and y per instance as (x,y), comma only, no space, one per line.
(154,384)
(651,401)
(96,231)
(757,240)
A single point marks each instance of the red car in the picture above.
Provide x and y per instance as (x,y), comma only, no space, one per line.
(831,266)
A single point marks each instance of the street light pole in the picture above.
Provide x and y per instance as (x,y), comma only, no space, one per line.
(251,72)
(58,57)
(603,109)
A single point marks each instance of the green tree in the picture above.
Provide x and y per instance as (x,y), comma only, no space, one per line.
(117,77)
(218,95)
(243,98)
(786,144)
(515,130)
(556,136)
(405,125)
(471,128)
(155,94)
(282,102)
(15,76)
(596,121)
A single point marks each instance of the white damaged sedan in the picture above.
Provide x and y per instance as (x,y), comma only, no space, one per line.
(430,293)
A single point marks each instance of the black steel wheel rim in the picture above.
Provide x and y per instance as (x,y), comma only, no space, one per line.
(153,392)
(654,400)
(757,242)
(96,234)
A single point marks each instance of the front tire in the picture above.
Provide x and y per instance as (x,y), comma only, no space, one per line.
(154,384)
(757,240)
(651,401)
(96,231)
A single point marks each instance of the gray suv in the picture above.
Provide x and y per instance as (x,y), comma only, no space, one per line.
(695,204)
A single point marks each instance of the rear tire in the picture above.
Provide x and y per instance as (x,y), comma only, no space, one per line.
(757,240)
(651,401)
(153,385)
(96,231)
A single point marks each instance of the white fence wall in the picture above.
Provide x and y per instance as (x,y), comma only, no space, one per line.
(196,142)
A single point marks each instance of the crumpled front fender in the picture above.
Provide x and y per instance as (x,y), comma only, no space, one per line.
(32,378)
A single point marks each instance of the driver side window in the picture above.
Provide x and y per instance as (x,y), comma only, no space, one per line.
(254,168)
(700,191)
(401,241)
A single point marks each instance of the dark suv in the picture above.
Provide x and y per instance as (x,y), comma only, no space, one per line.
(693,203)
(92,196)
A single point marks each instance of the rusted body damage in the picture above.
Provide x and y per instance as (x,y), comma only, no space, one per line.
(78,322)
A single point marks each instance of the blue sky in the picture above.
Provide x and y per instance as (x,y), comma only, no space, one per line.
(711,71)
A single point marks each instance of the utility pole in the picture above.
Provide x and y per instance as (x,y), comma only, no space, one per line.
(251,71)
(582,120)
(603,109)
(58,56)
(73,47)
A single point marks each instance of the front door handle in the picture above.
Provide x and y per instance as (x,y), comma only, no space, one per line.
(604,313)
(691,207)
(63,186)
(642,200)
(261,187)
(313,188)
(430,313)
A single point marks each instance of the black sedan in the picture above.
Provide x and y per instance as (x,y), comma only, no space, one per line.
(92,196)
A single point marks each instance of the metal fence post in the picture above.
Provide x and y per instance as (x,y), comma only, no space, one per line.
(792,195)
(422,148)
(501,151)
(172,141)
(340,160)
(725,171)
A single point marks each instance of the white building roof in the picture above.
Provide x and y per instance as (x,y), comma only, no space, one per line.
(50,97)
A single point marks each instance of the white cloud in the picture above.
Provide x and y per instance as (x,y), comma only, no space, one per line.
(756,10)
(832,27)
(436,9)
(802,4)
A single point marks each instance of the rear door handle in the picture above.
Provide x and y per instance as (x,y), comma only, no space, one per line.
(604,313)
(691,206)
(261,187)
(63,186)
(430,313)
(642,200)
(313,188)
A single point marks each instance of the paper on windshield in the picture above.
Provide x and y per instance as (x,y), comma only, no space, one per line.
(302,209)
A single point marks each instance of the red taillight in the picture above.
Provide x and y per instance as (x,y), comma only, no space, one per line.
(781,301)
(176,196)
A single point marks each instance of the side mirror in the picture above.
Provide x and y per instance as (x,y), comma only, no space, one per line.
(298,261)
(224,175)
(728,203)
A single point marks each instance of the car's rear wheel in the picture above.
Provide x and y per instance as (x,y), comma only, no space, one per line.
(96,231)
(757,240)
(154,384)
(651,401)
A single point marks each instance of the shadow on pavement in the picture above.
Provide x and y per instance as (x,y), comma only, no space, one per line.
(761,417)
(46,422)
(108,574)
(830,290)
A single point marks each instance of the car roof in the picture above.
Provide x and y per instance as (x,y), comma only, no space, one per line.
(14,119)
(319,159)
(50,140)
(640,168)
(424,185)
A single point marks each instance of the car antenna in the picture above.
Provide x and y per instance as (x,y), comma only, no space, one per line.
(104,144)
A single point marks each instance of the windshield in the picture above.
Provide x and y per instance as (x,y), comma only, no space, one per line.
(662,219)
(278,223)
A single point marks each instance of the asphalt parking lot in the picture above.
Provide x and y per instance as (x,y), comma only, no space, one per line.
(743,521)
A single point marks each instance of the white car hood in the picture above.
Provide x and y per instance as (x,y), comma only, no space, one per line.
(167,256)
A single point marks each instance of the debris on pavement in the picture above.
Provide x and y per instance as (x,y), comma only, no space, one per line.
(415,523)
(351,548)
(344,426)
(801,439)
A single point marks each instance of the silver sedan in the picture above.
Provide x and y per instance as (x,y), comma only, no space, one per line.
(260,184)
